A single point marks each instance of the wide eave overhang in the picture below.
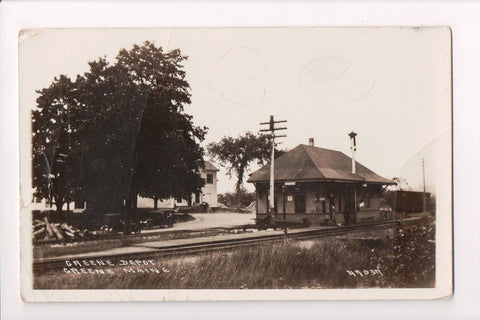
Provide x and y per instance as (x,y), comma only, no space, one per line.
(277,181)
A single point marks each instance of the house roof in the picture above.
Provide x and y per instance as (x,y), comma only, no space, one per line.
(210,166)
(307,163)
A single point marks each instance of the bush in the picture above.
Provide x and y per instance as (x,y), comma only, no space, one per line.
(413,261)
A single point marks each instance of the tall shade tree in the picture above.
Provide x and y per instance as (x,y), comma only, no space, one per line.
(167,152)
(119,129)
(54,150)
(236,154)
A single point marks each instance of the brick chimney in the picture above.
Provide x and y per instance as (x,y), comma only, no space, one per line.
(310,142)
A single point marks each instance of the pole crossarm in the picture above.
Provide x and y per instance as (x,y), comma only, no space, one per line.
(265,130)
(268,130)
(280,121)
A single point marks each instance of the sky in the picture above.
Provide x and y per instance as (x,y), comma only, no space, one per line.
(392,86)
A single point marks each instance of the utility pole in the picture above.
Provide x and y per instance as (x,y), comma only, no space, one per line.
(272,129)
(353,147)
(424,191)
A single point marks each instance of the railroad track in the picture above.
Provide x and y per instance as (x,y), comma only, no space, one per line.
(53,264)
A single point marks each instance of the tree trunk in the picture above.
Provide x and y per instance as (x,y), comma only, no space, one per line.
(238,186)
(155,203)
(240,173)
(131,205)
(59,205)
(126,225)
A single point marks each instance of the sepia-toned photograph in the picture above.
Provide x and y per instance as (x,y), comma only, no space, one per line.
(235,163)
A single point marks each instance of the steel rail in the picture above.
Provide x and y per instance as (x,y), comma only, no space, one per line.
(42,266)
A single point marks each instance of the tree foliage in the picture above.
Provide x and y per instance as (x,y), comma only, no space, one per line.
(116,131)
(236,154)
(53,163)
(167,153)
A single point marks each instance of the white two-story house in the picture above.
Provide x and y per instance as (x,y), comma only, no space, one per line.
(207,195)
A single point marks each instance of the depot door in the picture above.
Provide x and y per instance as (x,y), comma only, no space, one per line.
(300,203)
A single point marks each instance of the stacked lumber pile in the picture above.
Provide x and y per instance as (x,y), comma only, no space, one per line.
(44,230)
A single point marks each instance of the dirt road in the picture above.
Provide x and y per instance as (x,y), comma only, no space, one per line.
(211,220)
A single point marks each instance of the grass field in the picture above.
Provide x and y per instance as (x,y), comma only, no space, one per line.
(404,257)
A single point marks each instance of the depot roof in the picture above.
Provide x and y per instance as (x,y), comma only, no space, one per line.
(309,163)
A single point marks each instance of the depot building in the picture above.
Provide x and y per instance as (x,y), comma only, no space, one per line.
(315,185)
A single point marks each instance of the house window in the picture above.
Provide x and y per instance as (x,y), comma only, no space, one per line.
(209,178)
(289,198)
